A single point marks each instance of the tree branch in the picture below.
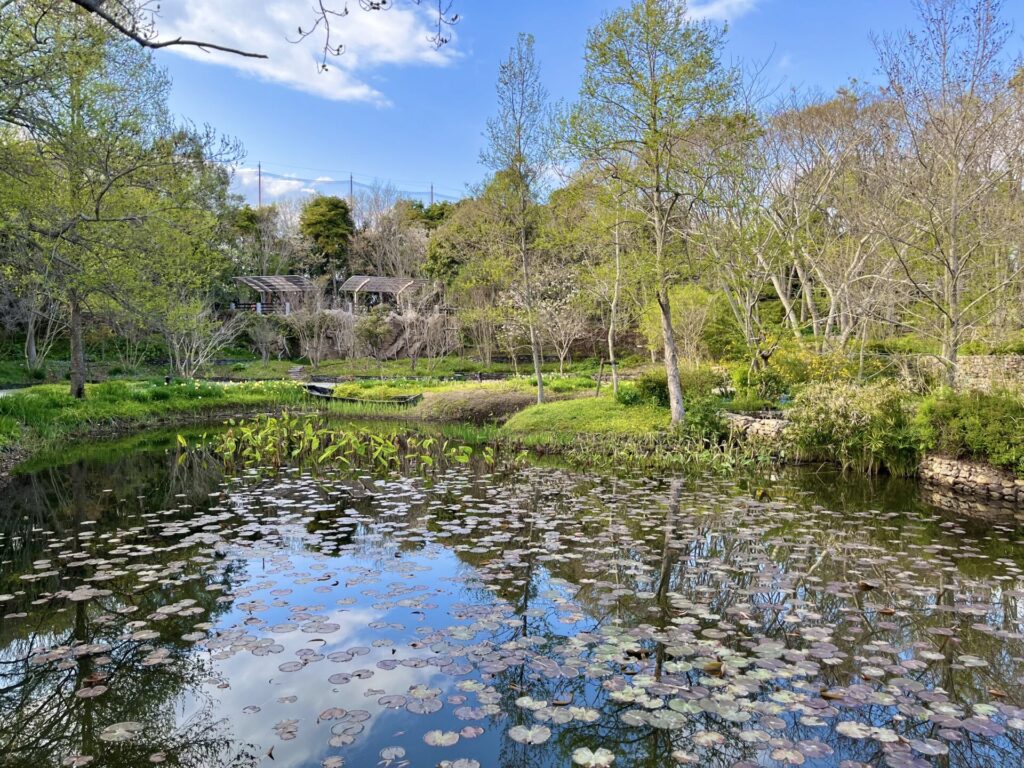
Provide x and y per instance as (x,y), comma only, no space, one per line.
(132,32)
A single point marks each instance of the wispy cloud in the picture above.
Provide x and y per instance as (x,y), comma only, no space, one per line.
(721,10)
(372,38)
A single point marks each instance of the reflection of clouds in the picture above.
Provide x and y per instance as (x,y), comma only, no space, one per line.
(257,681)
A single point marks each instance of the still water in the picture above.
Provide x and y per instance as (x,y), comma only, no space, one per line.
(158,611)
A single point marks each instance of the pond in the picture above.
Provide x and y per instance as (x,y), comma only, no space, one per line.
(159,611)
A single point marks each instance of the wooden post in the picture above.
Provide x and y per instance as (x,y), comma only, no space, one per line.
(600,375)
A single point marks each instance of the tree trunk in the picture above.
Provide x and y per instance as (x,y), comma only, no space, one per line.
(31,353)
(675,389)
(534,337)
(668,334)
(614,313)
(77,352)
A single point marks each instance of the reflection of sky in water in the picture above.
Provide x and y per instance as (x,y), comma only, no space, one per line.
(555,557)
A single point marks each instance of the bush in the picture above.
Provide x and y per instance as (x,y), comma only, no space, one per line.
(697,382)
(704,423)
(864,427)
(629,394)
(975,425)
(653,388)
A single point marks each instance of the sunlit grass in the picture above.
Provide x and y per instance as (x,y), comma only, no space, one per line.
(592,416)
(49,411)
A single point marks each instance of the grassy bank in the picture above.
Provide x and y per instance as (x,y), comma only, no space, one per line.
(42,415)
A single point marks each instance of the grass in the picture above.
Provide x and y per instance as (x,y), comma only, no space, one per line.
(48,412)
(589,416)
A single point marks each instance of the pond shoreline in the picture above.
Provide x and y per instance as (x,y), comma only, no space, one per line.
(968,485)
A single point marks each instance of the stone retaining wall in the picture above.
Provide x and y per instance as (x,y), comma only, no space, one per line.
(987,372)
(973,478)
(979,372)
(974,483)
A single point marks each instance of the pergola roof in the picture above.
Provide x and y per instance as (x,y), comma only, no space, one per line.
(389,285)
(278,283)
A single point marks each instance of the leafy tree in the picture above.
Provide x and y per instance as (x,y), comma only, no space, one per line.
(652,112)
(327,222)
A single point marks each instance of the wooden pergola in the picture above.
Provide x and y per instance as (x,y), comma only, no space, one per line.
(381,290)
(278,294)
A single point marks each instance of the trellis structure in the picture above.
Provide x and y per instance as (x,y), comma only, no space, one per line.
(278,294)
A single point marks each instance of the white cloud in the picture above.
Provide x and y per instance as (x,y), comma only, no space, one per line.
(273,186)
(372,38)
(720,10)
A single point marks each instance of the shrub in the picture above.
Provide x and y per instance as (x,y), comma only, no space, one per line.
(653,388)
(697,382)
(864,427)
(628,394)
(704,423)
(975,425)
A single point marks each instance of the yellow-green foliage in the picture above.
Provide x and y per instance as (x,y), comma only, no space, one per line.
(867,427)
(49,411)
(592,415)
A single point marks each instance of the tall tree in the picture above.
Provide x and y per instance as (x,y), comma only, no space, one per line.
(948,186)
(326,222)
(652,109)
(518,151)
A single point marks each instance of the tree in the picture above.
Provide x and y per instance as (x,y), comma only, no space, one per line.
(314,325)
(193,335)
(653,113)
(948,199)
(518,150)
(136,20)
(326,222)
(374,331)
(389,242)
(564,322)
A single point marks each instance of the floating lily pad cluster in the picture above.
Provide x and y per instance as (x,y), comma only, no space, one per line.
(547,618)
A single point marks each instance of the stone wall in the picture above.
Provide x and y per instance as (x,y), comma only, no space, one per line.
(987,372)
(978,372)
(973,478)
(948,483)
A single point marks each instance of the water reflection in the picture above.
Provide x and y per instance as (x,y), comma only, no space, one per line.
(518,620)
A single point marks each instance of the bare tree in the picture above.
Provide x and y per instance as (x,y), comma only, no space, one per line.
(314,326)
(194,335)
(518,150)
(948,188)
(564,323)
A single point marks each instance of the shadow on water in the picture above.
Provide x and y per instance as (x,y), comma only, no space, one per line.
(156,610)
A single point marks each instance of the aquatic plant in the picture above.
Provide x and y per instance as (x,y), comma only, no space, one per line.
(272,441)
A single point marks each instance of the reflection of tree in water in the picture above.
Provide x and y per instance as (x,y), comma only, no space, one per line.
(556,567)
(768,577)
(62,647)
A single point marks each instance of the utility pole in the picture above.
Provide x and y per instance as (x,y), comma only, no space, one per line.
(431,193)
(351,193)
(259,185)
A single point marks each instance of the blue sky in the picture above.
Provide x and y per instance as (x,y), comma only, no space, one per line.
(395,109)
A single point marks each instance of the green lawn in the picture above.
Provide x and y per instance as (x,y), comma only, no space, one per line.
(49,412)
(587,416)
